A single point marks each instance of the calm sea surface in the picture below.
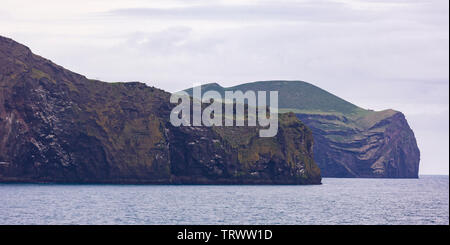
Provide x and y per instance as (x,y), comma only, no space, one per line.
(336,201)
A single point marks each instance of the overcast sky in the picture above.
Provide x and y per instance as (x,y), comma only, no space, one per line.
(377,54)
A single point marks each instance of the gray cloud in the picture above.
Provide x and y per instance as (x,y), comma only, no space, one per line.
(4,15)
(290,11)
(173,41)
(431,12)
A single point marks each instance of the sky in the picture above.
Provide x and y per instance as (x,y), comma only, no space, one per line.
(377,54)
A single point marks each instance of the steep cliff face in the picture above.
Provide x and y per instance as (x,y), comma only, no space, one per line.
(59,126)
(239,155)
(383,148)
(349,141)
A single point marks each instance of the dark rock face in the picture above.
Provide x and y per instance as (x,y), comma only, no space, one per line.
(349,141)
(384,148)
(59,126)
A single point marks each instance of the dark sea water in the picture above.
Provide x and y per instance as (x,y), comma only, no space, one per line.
(337,201)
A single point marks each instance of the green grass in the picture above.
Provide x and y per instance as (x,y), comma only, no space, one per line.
(304,98)
(296,95)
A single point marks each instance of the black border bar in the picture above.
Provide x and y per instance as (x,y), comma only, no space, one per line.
(220,234)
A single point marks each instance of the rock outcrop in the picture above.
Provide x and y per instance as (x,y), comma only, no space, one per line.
(384,148)
(58,126)
(349,141)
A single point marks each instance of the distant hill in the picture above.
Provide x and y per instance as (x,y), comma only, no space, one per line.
(349,141)
(296,95)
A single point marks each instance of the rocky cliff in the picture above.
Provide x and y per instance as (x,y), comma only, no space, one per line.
(59,126)
(385,147)
(349,141)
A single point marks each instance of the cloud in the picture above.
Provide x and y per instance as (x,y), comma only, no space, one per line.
(284,11)
(173,41)
(318,11)
(4,15)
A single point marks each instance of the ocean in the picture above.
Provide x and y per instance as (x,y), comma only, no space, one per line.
(335,202)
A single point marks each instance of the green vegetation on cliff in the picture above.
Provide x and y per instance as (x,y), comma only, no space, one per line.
(349,141)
